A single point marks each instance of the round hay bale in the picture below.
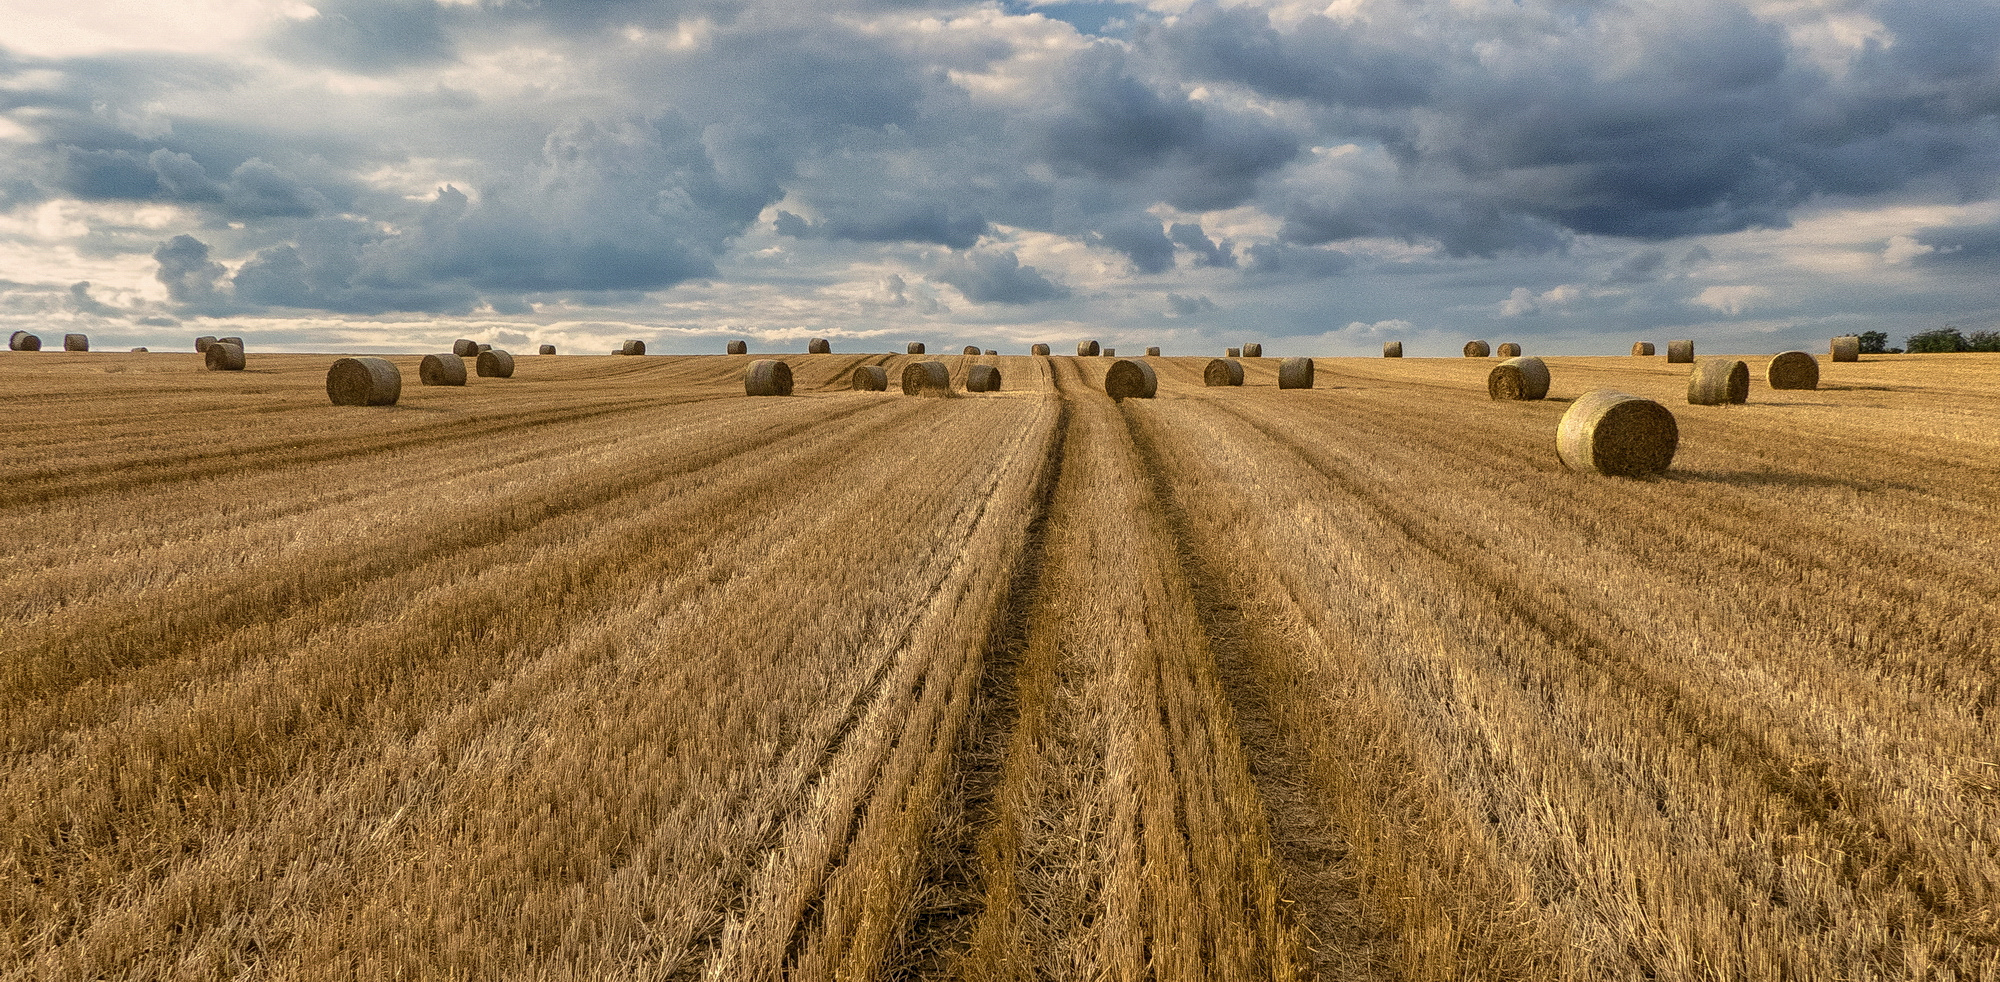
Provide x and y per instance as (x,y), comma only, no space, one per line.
(739,347)
(201,343)
(1477,349)
(224,357)
(1518,378)
(1039,349)
(1253,351)
(139,351)
(441,370)
(982,378)
(632,348)
(1222,371)
(1110,352)
(819,346)
(1295,373)
(1718,382)
(1392,349)
(916,348)
(235,341)
(1793,370)
(1680,352)
(768,377)
(1086,349)
(484,347)
(1130,379)
(547,349)
(1847,348)
(1617,434)
(1152,351)
(871,378)
(23,341)
(971,349)
(1642,349)
(990,351)
(76,342)
(495,363)
(364,382)
(1508,349)
(926,378)
(1232,352)
(465,348)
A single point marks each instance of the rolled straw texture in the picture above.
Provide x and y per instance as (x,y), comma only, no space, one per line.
(465,348)
(739,347)
(235,341)
(1232,352)
(1086,349)
(632,348)
(1680,352)
(223,357)
(819,346)
(991,351)
(364,382)
(1392,349)
(76,342)
(1253,351)
(916,348)
(1616,434)
(1039,349)
(871,378)
(1222,371)
(1153,351)
(1295,373)
(495,363)
(1109,352)
(970,349)
(926,378)
(982,378)
(547,349)
(1642,348)
(1508,349)
(1477,349)
(1719,382)
(1847,348)
(1518,378)
(768,377)
(441,370)
(1130,379)
(23,341)
(1793,370)
(201,343)
(484,347)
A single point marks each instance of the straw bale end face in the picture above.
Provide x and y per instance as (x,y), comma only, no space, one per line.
(465,348)
(1039,349)
(1153,351)
(547,349)
(870,378)
(1232,352)
(1253,351)
(1518,378)
(1642,349)
(224,357)
(633,347)
(1295,373)
(76,342)
(1086,349)
(1719,382)
(819,346)
(441,370)
(1392,349)
(915,348)
(1477,349)
(23,341)
(768,377)
(495,363)
(1222,371)
(738,347)
(1617,434)
(364,382)
(1509,349)
(1847,348)
(1680,352)
(982,378)
(1128,379)
(926,378)
(1793,370)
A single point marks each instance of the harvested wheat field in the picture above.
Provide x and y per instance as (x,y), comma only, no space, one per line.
(607,671)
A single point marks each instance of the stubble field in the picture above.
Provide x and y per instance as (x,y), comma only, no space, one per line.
(607,671)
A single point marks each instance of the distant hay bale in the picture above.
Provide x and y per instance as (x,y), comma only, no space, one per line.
(871,378)
(1109,352)
(819,346)
(1232,352)
(1130,379)
(1222,371)
(1508,349)
(23,341)
(1793,370)
(1253,351)
(1153,351)
(235,341)
(1392,349)
(916,347)
(1039,349)
(1847,347)
(739,347)
(1295,373)
(201,343)
(926,378)
(1642,349)
(768,377)
(547,349)
(465,348)
(484,347)
(991,351)
(495,363)
(1719,382)
(364,382)
(1477,349)
(441,370)
(1518,378)
(76,342)
(982,378)
(632,348)
(1616,434)
(971,349)
(224,357)
(1086,349)
(139,351)
(1680,352)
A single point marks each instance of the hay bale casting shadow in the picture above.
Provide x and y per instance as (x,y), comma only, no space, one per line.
(1222,371)
(1477,349)
(23,341)
(1508,349)
(223,357)
(916,348)
(926,378)
(768,377)
(1518,378)
(870,378)
(465,348)
(1253,351)
(819,346)
(1086,349)
(441,370)
(632,348)
(982,378)
(1616,434)
(1680,352)
(364,382)
(1130,379)
(1719,382)
(1793,370)
(1642,348)
(76,342)
(495,363)
(1847,348)
(1295,373)
(738,348)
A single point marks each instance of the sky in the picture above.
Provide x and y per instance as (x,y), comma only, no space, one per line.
(1570,175)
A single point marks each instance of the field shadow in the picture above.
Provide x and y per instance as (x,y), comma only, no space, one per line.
(1859,388)
(1766,479)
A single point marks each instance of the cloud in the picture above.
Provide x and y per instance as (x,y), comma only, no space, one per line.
(189,275)
(80,301)
(1182,306)
(1733,299)
(997,276)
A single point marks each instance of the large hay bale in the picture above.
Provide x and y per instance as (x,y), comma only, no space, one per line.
(1222,371)
(1518,378)
(1793,370)
(23,341)
(1718,382)
(364,382)
(76,342)
(1477,349)
(441,370)
(1130,379)
(495,363)
(632,348)
(1152,351)
(738,347)
(1038,349)
(547,349)
(926,378)
(201,343)
(1086,349)
(1508,349)
(871,378)
(1617,434)
(1392,349)
(224,357)
(1642,349)
(1110,352)
(982,378)
(1847,348)
(1295,373)
(819,346)
(768,377)
(1254,350)
(465,348)
(1232,352)
(1680,352)
(971,349)
(916,348)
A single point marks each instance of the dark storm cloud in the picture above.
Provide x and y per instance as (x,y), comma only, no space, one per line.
(190,276)
(255,189)
(369,36)
(893,221)
(997,276)
(80,301)
(1141,240)
(1206,251)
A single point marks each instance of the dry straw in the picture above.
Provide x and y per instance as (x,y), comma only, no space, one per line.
(1847,347)
(1295,373)
(1392,349)
(739,347)
(465,348)
(1680,352)
(441,370)
(971,349)
(235,341)
(1253,351)
(1222,371)
(547,349)
(926,378)
(632,348)
(982,378)
(768,377)
(484,347)
(1642,348)
(916,348)
(495,363)
(1617,434)
(992,351)
(139,351)
(1518,378)
(1086,349)
(1477,349)
(1039,349)
(1130,379)
(819,346)
(1153,351)
(1508,349)
(1232,352)
(201,343)
(23,341)
(1110,352)
(1718,382)
(224,357)
(364,382)
(870,378)
(76,342)
(1793,370)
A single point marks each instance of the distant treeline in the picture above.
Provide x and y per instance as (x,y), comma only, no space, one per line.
(1943,339)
